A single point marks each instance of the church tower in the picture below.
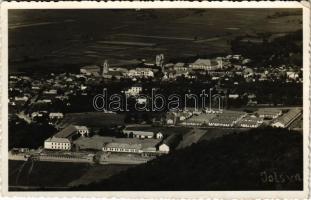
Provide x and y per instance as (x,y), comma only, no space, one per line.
(105,68)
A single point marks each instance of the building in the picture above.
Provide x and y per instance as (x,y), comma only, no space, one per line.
(140,73)
(138,134)
(143,132)
(37,114)
(164,148)
(159,135)
(226,119)
(122,147)
(292,75)
(82,130)
(199,120)
(141,100)
(105,68)
(180,67)
(90,70)
(270,113)
(61,139)
(174,117)
(135,146)
(170,143)
(24,98)
(71,131)
(171,118)
(113,74)
(233,96)
(134,90)
(286,119)
(56,115)
(206,64)
(160,60)
(250,122)
(57,143)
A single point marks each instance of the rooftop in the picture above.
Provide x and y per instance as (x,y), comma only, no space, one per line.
(289,116)
(97,142)
(91,67)
(207,62)
(124,145)
(56,139)
(268,111)
(66,132)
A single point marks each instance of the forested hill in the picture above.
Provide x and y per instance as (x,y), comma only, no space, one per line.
(261,159)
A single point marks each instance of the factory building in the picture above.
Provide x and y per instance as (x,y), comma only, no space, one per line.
(134,146)
(199,120)
(286,119)
(122,147)
(142,134)
(62,140)
(250,122)
(57,143)
(226,119)
(269,113)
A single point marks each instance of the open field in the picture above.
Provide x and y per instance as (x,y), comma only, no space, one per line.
(49,174)
(99,172)
(58,175)
(64,40)
(92,119)
(191,137)
(212,133)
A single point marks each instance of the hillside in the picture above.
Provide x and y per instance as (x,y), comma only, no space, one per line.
(261,159)
(64,40)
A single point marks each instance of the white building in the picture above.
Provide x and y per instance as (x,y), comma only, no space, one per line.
(52,91)
(57,143)
(56,115)
(71,131)
(285,120)
(141,100)
(164,148)
(206,64)
(292,75)
(139,134)
(37,114)
(122,147)
(62,140)
(82,130)
(24,98)
(269,113)
(140,73)
(134,90)
(159,135)
(233,96)
(250,122)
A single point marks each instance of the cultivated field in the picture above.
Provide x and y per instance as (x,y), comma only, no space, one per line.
(66,40)
(92,119)
(58,175)
(212,133)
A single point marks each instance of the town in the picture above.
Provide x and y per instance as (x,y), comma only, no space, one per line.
(90,132)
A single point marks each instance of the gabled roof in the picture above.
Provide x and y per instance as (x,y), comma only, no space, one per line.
(66,132)
(202,62)
(90,67)
(179,64)
(206,62)
(58,140)
(288,117)
(124,145)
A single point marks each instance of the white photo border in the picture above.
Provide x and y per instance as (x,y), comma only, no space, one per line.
(304,5)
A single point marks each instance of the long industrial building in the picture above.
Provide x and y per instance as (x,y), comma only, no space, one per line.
(286,119)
